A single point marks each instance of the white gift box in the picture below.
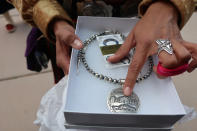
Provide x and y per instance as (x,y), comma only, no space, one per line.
(86,103)
(105,128)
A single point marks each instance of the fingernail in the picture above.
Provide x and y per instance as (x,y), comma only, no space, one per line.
(110,57)
(127,91)
(77,43)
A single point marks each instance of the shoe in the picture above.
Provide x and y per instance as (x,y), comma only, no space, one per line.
(10,28)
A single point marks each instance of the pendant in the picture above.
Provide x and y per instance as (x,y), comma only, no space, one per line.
(119,103)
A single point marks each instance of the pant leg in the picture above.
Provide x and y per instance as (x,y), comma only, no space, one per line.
(8,18)
(57,72)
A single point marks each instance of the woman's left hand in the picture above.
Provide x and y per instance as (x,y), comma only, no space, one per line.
(159,22)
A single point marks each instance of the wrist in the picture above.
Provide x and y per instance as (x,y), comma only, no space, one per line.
(163,9)
(59,24)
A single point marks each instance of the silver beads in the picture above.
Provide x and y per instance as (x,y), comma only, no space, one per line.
(110,80)
(148,73)
(106,78)
(121,81)
(107,32)
(115,81)
(101,77)
(97,75)
(81,57)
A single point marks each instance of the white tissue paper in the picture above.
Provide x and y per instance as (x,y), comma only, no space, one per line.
(190,114)
(50,116)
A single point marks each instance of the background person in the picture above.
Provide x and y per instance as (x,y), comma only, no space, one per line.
(4,10)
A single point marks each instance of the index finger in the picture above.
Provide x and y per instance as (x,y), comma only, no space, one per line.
(135,67)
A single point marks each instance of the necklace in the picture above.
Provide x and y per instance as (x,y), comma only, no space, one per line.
(116,102)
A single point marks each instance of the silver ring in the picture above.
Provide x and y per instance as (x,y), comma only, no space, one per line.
(164,44)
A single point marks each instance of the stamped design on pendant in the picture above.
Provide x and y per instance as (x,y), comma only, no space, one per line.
(117,102)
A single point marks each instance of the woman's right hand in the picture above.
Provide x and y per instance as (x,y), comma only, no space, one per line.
(65,39)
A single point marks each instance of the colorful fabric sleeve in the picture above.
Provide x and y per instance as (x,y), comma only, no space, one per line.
(41,13)
(184,7)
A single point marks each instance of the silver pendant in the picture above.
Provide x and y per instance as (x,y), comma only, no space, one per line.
(117,102)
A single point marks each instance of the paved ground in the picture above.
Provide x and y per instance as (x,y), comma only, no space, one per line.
(21,90)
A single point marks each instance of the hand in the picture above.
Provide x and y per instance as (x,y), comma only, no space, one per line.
(159,21)
(193,50)
(65,39)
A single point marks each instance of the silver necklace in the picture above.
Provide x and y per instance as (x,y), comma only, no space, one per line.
(116,101)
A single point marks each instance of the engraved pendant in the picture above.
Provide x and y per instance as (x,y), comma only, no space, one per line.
(117,102)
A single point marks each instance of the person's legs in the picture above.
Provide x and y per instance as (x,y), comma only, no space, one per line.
(10,27)
(8,18)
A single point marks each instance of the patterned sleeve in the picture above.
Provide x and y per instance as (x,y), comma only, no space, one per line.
(184,7)
(41,13)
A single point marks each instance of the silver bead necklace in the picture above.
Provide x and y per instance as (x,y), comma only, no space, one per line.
(117,102)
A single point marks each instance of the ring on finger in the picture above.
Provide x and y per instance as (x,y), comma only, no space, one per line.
(164,45)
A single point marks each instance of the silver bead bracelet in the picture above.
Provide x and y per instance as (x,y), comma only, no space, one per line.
(81,58)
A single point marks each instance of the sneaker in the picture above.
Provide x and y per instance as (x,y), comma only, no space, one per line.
(10,28)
